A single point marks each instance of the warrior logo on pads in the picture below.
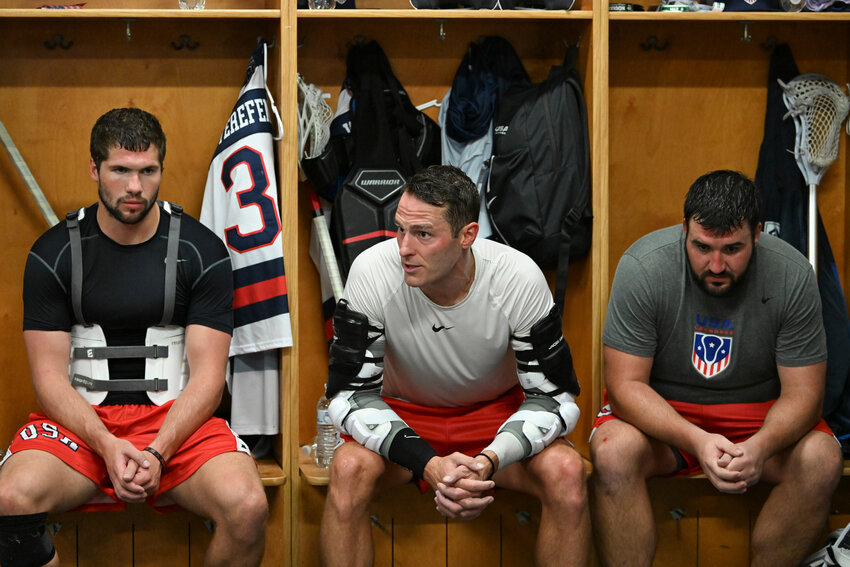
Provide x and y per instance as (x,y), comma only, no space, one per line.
(711,354)
(379,184)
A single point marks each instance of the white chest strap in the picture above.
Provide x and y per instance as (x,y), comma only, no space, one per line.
(166,372)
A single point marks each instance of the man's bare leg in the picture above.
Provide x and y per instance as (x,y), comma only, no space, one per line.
(623,524)
(227,489)
(30,483)
(556,476)
(794,515)
(357,475)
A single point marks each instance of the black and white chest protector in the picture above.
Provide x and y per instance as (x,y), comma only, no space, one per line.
(166,369)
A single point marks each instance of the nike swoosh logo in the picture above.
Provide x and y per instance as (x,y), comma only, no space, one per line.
(765,299)
(411,437)
(437,329)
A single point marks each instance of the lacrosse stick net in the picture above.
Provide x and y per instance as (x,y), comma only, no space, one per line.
(818,107)
(314,120)
(314,133)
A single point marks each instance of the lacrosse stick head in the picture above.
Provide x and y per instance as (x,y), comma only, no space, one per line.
(819,106)
(314,120)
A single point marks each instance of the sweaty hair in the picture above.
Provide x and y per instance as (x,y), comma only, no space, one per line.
(131,129)
(722,201)
(448,187)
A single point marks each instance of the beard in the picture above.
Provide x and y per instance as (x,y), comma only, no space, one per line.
(733,282)
(115,210)
(715,290)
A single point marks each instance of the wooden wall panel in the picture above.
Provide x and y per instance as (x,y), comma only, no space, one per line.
(520,520)
(676,524)
(382,540)
(725,538)
(164,541)
(107,539)
(471,542)
(311,502)
(63,531)
(699,105)
(138,536)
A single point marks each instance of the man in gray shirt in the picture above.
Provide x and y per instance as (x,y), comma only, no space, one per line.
(714,362)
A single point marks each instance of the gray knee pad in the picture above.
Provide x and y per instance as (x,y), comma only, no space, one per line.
(24,542)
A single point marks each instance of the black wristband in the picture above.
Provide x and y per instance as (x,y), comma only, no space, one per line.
(492,464)
(159,457)
(411,451)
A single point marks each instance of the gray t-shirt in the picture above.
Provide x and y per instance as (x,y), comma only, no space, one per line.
(707,349)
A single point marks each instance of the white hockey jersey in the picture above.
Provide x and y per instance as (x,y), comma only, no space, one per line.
(241,206)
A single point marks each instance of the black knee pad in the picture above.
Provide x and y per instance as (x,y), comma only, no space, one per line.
(24,542)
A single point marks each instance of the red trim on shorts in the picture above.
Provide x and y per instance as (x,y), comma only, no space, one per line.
(736,422)
(138,424)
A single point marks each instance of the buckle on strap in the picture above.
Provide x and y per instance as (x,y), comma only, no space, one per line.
(154,351)
(92,385)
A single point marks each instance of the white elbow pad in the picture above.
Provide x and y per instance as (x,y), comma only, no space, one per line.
(368,426)
(569,413)
(539,428)
(339,408)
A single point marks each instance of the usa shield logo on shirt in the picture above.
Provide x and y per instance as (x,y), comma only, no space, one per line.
(711,353)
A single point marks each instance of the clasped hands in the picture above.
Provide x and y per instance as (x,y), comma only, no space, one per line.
(135,474)
(731,467)
(460,485)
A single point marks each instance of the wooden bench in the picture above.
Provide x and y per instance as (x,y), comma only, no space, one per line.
(270,472)
(140,535)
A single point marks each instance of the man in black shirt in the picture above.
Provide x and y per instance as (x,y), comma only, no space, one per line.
(138,293)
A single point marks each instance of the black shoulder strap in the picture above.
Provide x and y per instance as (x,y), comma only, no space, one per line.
(176,212)
(72,221)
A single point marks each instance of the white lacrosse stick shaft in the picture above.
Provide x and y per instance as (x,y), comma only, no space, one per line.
(813,229)
(326,246)
(26,175)
(818,106)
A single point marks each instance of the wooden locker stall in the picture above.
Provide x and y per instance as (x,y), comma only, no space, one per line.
(59,71)
(687,94)
(696,102)
(425,49)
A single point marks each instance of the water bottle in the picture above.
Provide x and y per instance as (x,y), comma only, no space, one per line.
(327,436)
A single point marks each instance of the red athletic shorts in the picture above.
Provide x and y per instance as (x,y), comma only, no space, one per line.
(466,429)
(138,424)
(736,422)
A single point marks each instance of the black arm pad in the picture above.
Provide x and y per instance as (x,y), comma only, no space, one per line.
(553,353)
(348,349)
(410,451)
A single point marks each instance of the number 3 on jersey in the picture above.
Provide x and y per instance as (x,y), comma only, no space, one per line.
(254,196)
